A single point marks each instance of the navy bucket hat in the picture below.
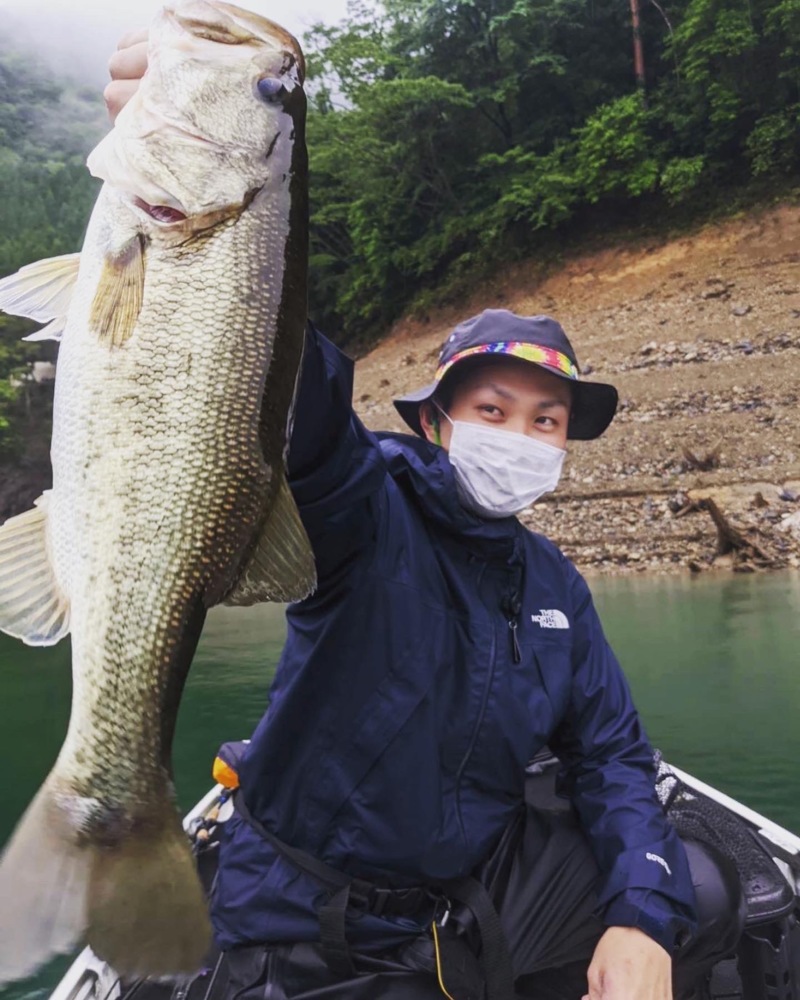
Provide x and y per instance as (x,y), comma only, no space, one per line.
(539,340)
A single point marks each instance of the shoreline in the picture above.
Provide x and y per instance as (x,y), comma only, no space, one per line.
(669,531)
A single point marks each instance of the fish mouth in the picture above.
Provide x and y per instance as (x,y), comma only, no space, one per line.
(163,214)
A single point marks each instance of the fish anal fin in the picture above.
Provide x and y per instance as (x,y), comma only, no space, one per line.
(120,293)
(32,606)
(281,566)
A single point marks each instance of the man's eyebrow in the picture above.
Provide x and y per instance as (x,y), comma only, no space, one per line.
(545,404)
(505,393)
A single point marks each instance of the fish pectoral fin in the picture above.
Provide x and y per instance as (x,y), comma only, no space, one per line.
(281,567)
(32,607)
(42,291)
(120,293)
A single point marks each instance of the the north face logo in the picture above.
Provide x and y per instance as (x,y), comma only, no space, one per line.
(550,619)
(659,860)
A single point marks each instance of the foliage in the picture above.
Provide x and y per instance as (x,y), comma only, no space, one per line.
(446,136)
(16,357)
(615,151)
(47,126)
(773,147)
(682,176)
(449,133)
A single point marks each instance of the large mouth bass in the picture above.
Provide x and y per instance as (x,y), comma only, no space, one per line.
(181,325)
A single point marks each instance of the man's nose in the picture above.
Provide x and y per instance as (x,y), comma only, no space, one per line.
(519,425)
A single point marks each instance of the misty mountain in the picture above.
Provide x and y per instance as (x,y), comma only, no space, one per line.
(48,124)
(74,44)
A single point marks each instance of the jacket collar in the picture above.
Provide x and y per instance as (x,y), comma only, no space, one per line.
(424,470)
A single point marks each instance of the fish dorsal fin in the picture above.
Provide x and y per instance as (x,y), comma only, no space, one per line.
(120,293)
(32,607)
(281,567)
(42,291)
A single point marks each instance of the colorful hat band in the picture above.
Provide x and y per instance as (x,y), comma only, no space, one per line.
(515,349)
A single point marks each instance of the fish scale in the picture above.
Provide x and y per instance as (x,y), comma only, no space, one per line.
(181,329)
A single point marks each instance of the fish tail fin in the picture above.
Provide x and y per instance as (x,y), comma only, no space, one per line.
(139,904)
(147,912)
(43,877)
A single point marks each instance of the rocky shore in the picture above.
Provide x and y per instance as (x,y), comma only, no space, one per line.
(701,335)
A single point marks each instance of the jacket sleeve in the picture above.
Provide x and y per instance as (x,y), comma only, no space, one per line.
(334,464)
(609,775)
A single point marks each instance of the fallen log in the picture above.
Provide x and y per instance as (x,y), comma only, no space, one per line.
(747,554)
(704,463)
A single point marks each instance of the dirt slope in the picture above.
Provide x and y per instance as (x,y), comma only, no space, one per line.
(701,336)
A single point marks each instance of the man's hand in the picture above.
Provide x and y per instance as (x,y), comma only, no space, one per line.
(126,67)
(629,965)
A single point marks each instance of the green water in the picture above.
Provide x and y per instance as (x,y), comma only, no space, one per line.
(714,664)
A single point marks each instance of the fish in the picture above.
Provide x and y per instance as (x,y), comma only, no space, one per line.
(181,325)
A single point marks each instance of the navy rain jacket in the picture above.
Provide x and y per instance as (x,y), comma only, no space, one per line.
(401,717)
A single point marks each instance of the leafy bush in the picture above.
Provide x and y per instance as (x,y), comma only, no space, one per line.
(615,155)
(681,177)
(773,147)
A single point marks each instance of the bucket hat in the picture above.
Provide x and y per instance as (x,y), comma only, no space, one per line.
(539,340)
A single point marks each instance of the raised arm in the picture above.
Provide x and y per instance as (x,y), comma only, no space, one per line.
(335,465)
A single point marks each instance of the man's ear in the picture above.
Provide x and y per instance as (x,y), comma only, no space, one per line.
(429,421)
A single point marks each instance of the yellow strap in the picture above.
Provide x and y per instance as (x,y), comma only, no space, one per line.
(439,961)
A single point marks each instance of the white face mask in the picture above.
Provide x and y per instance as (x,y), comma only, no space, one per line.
(499,472)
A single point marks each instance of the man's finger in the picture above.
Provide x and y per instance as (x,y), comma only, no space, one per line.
(117,94)
(132,38)
(129,63)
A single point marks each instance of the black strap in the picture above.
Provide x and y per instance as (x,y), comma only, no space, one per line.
(331,878)
(332,936)
(348,891)
(375,899)
(495,958)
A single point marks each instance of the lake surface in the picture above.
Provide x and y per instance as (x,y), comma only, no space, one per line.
(714,664)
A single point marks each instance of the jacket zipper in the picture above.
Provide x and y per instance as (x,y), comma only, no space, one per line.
(511,608)
(516,652)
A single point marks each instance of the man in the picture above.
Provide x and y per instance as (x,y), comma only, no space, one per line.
(382,848)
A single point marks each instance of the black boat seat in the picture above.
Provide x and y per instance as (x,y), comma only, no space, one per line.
(695,816)
(768,894)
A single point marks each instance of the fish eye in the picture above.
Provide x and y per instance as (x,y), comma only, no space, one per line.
(271,88)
